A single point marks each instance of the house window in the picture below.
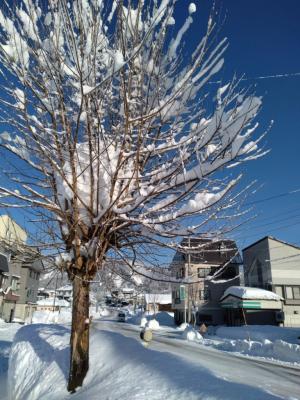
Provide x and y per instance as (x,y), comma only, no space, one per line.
(4,281)
(279,291)
(296,292)
(203,294)
(14,283)
(289,292)
(203,272)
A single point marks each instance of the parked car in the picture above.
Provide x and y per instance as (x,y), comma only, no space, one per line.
(122,316)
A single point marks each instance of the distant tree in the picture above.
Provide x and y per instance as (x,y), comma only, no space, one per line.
(114,136)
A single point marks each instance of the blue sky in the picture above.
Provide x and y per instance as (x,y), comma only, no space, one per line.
(264,37)
(264,40)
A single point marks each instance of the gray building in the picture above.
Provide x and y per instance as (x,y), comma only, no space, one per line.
(274,265)
(20,268)
(212,266)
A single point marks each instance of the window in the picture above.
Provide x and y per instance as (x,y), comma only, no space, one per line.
(289,292)
(203,294)
(14,283)
(203,272)
(292,292)
(279,291)
(4,281)
(296,292)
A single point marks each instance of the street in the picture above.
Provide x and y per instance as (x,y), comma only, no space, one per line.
(279,379)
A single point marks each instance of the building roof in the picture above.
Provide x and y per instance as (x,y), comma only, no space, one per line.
(158,298)
(273,238)
(250,293)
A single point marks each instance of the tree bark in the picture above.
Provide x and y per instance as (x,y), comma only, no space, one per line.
(79,360)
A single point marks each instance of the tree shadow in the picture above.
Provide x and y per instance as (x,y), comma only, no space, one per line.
(37,336)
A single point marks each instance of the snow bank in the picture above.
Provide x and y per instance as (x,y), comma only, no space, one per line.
(279,350)
(265,341)
(52,317)
(165,318)
(182,326)
(153,324)
(7,333)
(143,322)
(259,333)
(38,364)
(191,334)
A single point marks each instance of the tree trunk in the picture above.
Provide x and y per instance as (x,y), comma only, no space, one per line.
(79,361)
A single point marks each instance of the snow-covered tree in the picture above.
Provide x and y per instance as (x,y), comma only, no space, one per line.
(111,128)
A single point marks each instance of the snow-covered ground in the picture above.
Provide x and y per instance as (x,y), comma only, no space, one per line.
(7,333)
(120,368)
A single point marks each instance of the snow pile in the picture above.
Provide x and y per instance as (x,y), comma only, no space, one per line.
(165,318)
(259,333)
(143,322)
(260,340)
(250,293)
(182,326)
(191,334)
(279,350)
(153,324)
(52,317)
(104,312)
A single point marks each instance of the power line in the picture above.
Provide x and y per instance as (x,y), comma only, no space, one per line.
(273,229)
(273,197)
(276,76)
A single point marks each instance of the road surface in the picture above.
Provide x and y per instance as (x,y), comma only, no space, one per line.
(277,378)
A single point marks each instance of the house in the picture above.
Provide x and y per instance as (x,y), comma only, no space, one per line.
(155,302)
(19,284)
(65,292)
(274,265)
(251,306)
(203,274)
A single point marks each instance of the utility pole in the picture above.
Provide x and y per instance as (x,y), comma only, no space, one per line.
(188,288)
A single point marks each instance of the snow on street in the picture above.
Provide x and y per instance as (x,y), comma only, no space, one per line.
(121,367)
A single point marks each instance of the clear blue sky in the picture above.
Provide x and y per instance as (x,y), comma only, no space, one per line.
(264,37)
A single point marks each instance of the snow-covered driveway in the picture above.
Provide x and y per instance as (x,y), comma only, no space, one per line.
(280,379)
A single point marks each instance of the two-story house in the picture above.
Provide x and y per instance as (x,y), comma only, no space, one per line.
(203,274)
(19,284)
(274,265)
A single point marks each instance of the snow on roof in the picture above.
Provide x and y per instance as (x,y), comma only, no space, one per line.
(53,302)
(65,288)
(127,290)
(250,293)
(158,298)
